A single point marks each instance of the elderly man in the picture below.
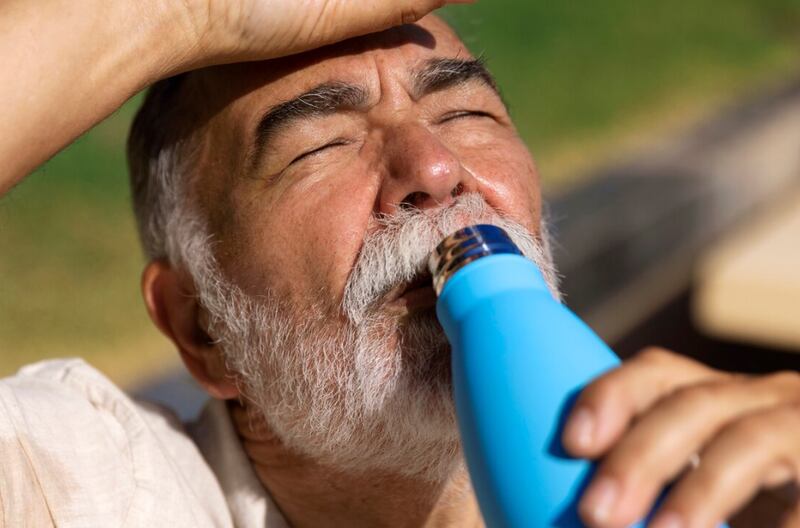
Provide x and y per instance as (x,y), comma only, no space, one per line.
(286,207)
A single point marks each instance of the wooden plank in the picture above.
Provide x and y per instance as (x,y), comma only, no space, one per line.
(628,240)
(748,286)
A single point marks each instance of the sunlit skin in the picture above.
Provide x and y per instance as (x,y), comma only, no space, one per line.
(296,227)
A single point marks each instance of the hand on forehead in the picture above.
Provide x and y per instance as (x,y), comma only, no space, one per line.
(245,89)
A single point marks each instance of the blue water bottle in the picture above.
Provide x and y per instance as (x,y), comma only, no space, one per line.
(519,358)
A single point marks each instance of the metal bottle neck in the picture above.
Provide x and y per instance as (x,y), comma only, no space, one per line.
(464,246)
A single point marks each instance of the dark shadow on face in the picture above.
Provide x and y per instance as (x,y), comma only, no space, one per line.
(217,87)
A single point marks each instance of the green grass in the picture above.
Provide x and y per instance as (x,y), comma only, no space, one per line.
(582,79)
(70,263)
(575,73)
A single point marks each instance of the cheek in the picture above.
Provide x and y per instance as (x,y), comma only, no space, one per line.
(327,216)
(506,176)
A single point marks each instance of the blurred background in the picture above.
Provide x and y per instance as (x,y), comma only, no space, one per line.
(668,137)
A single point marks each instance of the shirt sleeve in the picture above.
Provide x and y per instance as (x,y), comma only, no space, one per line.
(22,501)
(75,450)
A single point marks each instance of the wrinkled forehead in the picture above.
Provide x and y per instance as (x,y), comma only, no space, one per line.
(398,47)
(242,91)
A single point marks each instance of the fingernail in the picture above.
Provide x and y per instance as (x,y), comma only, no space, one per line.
(580,428)
(668,519)
(598,502)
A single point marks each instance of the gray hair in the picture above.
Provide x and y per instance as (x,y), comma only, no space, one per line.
(162,147)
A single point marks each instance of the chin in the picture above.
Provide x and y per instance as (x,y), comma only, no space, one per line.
(421,337)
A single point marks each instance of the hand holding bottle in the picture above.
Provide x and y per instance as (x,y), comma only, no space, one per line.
(662,417)
(519,356)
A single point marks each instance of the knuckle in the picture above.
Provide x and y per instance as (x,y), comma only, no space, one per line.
(637,491)
(409,15)
(655,355)
(752,430)
(653,351)
(699,395)
(785,378)
(603,389)
(662,360)
(626,468)
(780,388)
(704,482)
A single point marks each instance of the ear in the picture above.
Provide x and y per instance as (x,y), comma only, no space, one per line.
(173,306)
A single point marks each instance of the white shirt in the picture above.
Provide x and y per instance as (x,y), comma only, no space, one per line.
(75,451)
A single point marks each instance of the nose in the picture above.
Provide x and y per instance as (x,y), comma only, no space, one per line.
(421,172)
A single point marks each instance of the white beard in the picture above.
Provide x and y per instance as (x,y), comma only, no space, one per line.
(360,390)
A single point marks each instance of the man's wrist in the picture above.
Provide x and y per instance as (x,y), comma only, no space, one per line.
(168,36)
(75,62)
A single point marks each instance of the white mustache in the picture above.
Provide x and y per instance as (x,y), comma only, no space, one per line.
(398,250)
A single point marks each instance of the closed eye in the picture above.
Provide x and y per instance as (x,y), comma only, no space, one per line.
(335,143)
(460,114)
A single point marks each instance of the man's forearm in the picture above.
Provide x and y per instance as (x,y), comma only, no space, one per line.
(68,64)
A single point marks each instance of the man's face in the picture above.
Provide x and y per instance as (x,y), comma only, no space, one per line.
(313,148)
(328,178)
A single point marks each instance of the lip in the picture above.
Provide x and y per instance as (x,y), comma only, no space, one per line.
(413,296)
(419,298)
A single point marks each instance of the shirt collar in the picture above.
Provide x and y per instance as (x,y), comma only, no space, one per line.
(248,501)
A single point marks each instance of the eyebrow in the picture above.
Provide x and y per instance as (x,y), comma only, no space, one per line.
(435,75)
(323,99)
(440,74)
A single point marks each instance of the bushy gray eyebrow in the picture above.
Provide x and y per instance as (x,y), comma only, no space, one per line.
(444,73)
(324,99)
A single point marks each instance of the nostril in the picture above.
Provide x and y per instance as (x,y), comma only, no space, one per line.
(414,199)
